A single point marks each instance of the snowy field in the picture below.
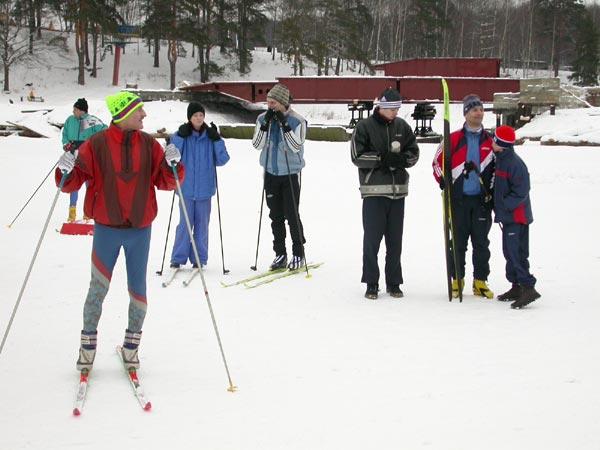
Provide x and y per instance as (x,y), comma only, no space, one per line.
(316,364)
(318,367)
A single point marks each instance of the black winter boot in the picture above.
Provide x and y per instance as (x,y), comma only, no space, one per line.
(394,291)
(528,295)
(510,295)
(372,290)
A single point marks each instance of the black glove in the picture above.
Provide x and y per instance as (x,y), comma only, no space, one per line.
(442,183)
(469,166)
(185,130)
(213,132)
(282,121)
(394,160)
(267,118)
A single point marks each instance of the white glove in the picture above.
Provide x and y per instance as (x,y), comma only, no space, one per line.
(172,154)
(67,161)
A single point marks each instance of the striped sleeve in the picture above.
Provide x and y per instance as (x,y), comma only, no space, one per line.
(360,157)
(295,138)
(437,169)
(260,137)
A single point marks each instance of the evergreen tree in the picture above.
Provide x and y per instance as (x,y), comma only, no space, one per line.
(558,19)
(586,65)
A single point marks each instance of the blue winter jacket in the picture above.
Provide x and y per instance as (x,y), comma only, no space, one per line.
(199,155)
(275,144)
(511,189)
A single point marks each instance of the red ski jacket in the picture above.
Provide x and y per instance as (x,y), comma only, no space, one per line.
(458,149)
(122,170)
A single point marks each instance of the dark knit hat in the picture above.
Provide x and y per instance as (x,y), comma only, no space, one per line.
(390,99)
(81,104)
(280,93)
(193,108)
(504,136)
(470,102)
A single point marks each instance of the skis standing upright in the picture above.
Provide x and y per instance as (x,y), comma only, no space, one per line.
(449,232)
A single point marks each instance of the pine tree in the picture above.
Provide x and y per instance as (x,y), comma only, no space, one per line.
(586,66)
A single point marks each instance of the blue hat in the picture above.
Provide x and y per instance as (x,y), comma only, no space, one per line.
(470,102)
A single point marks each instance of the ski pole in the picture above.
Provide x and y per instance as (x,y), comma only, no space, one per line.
(262,201)
(225,271)
(231,387)
(159,272)
(298,225)
(35,253)
(32,195)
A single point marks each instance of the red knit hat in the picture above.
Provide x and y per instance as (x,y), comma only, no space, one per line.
(505,136)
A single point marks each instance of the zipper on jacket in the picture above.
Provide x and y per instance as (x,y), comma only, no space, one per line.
(391,171)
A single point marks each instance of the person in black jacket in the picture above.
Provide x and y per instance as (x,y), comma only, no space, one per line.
(383,147)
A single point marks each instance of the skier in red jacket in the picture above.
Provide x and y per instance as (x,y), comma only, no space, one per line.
(123,166)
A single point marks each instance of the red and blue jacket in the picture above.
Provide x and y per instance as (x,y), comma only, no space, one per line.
(511,190)
(458,149)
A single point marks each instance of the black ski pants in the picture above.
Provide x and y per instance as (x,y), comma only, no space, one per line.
(472,219)
(281,208)
(382,216)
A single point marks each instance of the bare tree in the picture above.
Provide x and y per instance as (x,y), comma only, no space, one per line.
(14,40)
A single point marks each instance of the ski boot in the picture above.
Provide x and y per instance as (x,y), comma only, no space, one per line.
(72,214)
(481,289)
(131,344)
(455,287)
(528,295)
(296,263)
(280,262)
(87,350)
(510,295)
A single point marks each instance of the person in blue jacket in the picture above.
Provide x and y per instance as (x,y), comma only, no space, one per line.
(202,149)
(79,127)
(279,135)
(512,209)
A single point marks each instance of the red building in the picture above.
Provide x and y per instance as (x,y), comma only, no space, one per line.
(416,79)
(347,89)
(442,67)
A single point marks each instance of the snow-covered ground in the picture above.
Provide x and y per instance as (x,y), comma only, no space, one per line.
(317,365)
(581,125)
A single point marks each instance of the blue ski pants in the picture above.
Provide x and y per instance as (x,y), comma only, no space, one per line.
(105,251)
(199,213)
(515,246)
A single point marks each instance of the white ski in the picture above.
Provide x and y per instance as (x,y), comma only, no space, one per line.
(135,383)
(170,277)
(189,279)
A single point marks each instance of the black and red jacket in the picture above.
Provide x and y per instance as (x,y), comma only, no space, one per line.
(458,149)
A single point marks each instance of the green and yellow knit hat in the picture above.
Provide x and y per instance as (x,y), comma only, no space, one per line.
(122,104)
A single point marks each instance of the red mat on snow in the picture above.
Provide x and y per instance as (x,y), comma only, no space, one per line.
(77,228)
